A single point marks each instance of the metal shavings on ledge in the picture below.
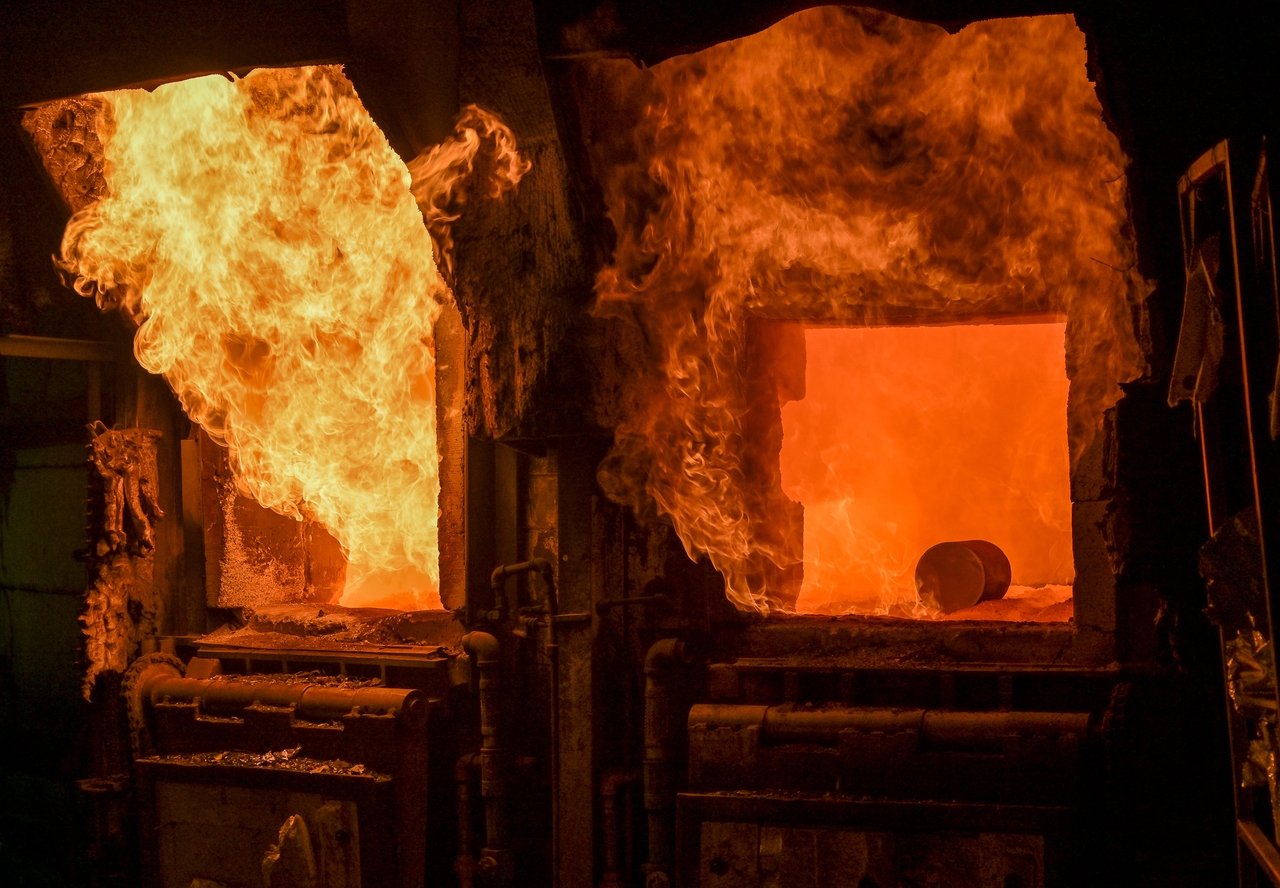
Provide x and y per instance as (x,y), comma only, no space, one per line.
(281,760)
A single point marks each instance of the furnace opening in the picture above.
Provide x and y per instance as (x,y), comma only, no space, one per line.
(906,437)
(271,248)
(846,167)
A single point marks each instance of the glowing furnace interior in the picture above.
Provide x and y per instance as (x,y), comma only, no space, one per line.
(905,437)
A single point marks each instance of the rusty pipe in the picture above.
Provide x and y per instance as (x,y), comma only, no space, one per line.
(503,572)
(496,863)
(975,731)
(659,794)
(310,702)
(961,731)
(659,599)
(497,580)
(464,774)
(610,785)
(533,565)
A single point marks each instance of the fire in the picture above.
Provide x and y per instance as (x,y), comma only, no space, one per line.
(845,166)
(264,236)
(442,174)
(977,450)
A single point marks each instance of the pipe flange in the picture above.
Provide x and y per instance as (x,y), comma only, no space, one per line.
(133,690)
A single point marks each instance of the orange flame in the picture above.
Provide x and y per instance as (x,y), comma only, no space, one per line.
(843,165)
(263,234)
(976,450)
(440,174)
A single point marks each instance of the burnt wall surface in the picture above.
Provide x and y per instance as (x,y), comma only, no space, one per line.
(523,278)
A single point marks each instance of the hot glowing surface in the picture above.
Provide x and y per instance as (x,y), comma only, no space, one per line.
(263,233)
(842,165)
(911,436)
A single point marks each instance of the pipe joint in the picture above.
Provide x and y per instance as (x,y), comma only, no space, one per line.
(481,646)
(465,768)
(613,781)
(666,654)
(541,566)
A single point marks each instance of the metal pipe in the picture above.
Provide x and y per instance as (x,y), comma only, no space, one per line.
(553,661)
(49,348)
(503,572)
(971,731)
(311,702)
(496,864)
(977,730)
(464,773)
(658,785)
(610,784)
(605,605)
(497,579)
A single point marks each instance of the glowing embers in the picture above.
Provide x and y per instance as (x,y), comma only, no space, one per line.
(905,437)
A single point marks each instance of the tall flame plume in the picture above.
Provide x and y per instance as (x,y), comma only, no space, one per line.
(843,165)
(265,238)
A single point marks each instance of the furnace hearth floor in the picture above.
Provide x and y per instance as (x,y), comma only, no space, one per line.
(1023,604)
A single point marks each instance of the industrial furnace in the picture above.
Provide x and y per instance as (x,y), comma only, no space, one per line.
(611,444)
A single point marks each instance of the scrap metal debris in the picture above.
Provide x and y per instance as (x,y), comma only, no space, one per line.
(280,760)
(309,678)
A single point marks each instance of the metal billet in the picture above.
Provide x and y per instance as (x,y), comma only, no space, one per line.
(953,576)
